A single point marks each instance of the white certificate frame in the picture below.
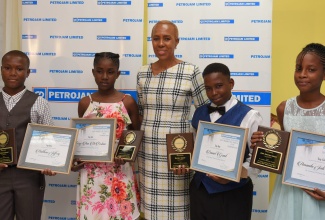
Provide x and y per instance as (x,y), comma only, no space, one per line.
(233,175)
(300,139)
(31,127)
(109,157)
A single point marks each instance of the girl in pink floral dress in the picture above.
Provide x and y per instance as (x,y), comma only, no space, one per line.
(108,190)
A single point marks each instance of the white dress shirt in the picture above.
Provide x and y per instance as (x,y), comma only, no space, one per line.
(251,121)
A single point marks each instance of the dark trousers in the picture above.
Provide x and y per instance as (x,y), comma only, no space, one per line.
(230,205)
(21,194)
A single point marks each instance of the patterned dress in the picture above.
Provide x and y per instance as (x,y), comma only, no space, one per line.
(107,191)
(288,202)
(165,101)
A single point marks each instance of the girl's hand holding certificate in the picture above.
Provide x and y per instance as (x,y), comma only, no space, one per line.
(77,164)
(48,172)
(316,194)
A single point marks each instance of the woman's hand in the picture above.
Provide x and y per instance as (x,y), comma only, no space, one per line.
(256,137)
(181,170)
(77,164)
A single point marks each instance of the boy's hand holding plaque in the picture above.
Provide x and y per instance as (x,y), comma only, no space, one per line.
(179,149)
(129,144)
(8,150)
(269,154)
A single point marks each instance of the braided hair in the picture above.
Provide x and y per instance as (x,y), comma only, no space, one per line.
(108,55)
(316,48)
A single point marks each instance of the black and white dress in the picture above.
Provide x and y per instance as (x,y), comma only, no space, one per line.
(165,102)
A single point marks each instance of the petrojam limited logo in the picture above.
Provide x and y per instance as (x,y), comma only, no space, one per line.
(263,176)
(110,37)
(66,71)
(259,210)
(41,92)
(217,21)
(67,2)
(154,56)
(132,55)
(261,21)
(40,53)
(156,4)
(89,19)
(254,98)
(219,56)
(49,201)
(173,21)
(111,2)
(63,94)
(72,37)
(29,36)
(195,38)
(260,56)
(241,38)
(41,19)
(132,20)
(242,3)
(70,95)
(62,185)
(67,94)
(61,118)
(29,2)
(244,73)
(125,72)
(190,4)
(83,54)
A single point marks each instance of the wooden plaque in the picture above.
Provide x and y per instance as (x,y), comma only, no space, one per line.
(179,149)
(8,149)
(129,144)
(269,154)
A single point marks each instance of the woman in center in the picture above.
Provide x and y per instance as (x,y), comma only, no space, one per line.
(166,89)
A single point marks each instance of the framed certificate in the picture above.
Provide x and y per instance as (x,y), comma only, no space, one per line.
(48,147)
(305,161)
(219,150)
(96,139)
